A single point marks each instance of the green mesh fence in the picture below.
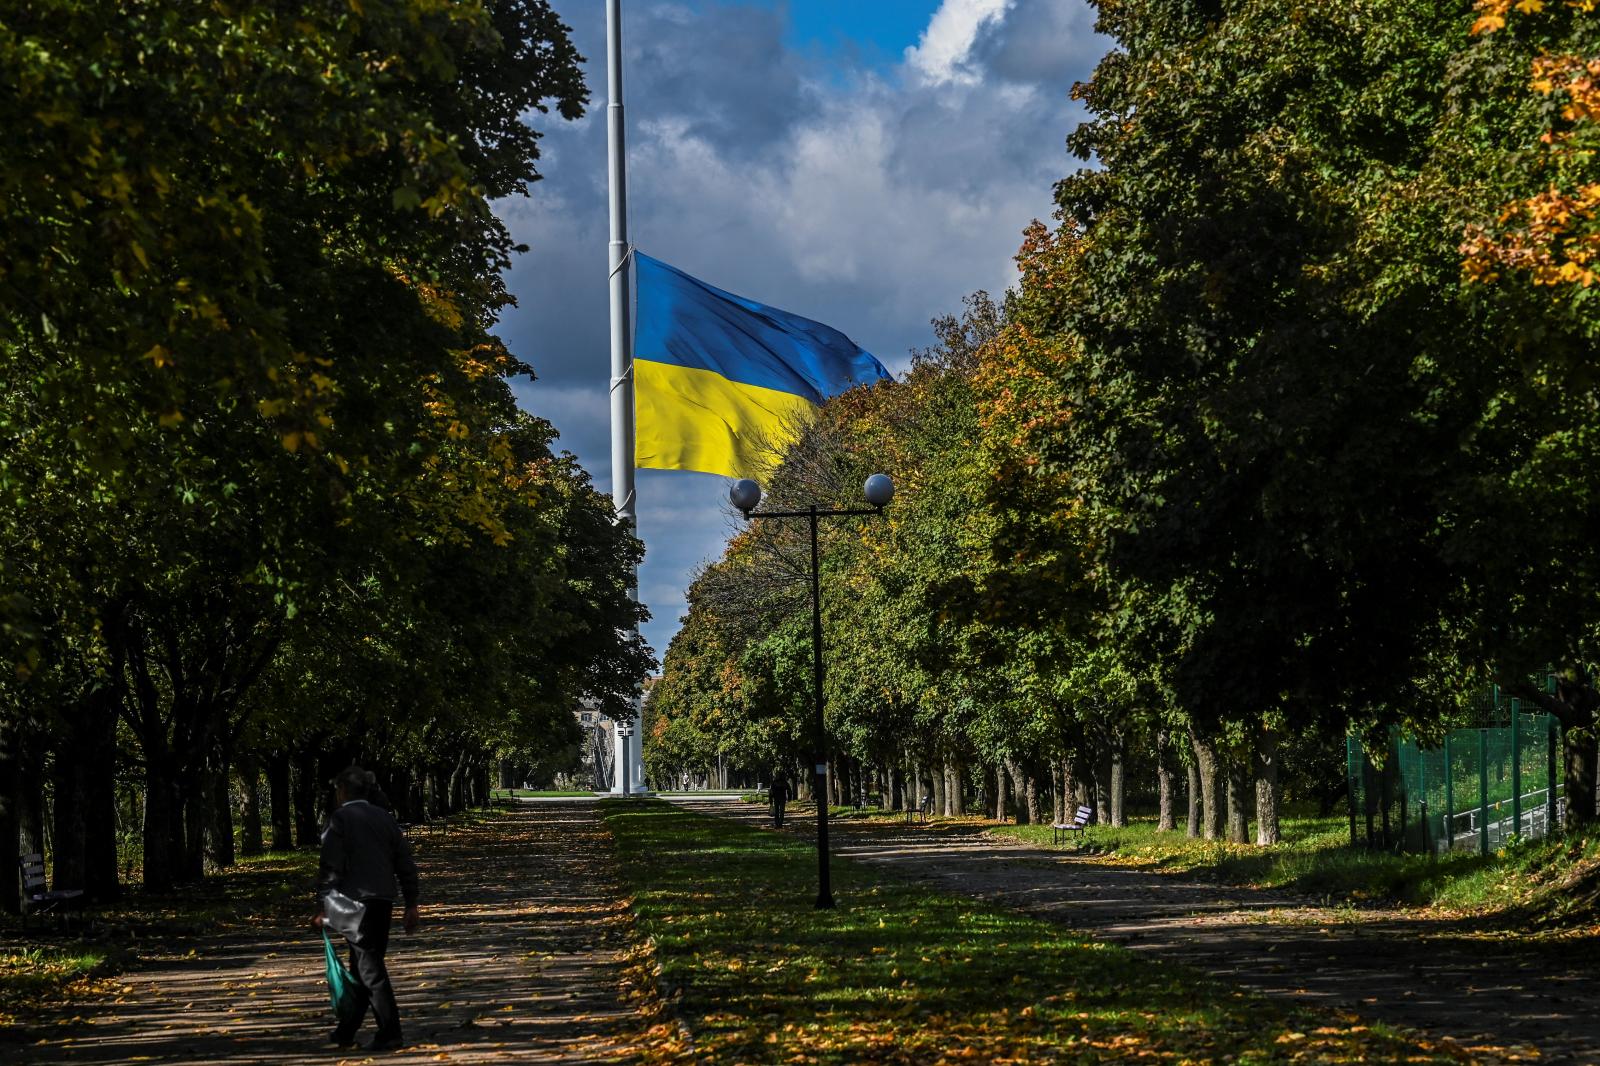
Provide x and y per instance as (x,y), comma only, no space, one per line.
(1474,792)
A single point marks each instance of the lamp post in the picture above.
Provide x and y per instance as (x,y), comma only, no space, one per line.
(746,495)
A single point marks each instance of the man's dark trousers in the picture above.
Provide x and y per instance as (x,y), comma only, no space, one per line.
(372,976)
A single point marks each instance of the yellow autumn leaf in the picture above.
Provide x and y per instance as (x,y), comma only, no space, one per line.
(171,418)
(159,356)
(1488,24)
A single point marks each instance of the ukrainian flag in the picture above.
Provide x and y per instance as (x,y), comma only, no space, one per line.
(717,376)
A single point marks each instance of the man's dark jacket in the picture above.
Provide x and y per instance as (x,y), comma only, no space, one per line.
(364,854)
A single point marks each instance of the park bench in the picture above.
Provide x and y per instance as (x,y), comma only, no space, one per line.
(34,890)
(1080,823)
(921,812)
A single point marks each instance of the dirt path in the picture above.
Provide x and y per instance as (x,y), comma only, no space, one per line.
(1444,978)
(520,958)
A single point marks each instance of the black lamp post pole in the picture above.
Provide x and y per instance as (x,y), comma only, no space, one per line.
(824,879)
(820,769)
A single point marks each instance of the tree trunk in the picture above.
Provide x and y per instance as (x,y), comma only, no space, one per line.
(954,790)
(1192,826)
(1583,760)
(220,782)
(458,785)
(1165,821)
(1082,784)
(1210,775)
(401,796)
(897,787)
(30,800)
(1002,792)
(1119,783)
(1238,801)
(101,878)
(69,829)
(278,790)
(1019,792)
(250,839)
(1267,830)
(936,773)
(160,803)
(10,824)
(1100,783)
(1036,795)
(196,798)
(306,793)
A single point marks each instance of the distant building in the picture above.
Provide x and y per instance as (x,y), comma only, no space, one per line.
(599,746)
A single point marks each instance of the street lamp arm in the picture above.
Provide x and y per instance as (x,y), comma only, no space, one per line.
(820,514)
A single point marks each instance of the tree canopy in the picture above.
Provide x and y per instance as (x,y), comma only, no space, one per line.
(265,495)
(1284,433)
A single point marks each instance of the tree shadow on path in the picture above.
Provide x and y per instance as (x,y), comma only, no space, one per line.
(1451,979)
(520,957)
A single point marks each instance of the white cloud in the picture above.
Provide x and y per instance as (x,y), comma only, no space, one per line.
(941,55)
(870,199)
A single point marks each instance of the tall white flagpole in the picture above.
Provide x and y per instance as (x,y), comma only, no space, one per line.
(629,765)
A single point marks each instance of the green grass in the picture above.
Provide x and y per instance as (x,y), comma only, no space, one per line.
(1315,858)
(31,974)
(515,793)
(899,973)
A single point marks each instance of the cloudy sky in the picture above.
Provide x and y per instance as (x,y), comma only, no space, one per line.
(862,162)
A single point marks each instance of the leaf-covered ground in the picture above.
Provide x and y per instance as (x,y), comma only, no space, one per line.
(902,973)
(1479,982)
(526,954)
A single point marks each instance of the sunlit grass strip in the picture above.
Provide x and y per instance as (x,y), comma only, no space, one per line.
(39,974)
(1315,858)
(903,974)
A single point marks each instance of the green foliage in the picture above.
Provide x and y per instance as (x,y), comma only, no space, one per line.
(1287,431)
(263,484)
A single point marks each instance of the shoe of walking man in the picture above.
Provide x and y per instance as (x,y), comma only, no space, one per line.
(365,857)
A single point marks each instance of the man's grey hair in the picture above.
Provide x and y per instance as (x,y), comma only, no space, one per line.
(355,781)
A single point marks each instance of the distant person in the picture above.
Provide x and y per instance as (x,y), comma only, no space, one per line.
(364,856)
(778,796)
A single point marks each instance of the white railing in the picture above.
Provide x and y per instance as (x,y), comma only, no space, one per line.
(1498,817)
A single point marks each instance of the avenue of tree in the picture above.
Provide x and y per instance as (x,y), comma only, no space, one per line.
(266,502)
(1288,432)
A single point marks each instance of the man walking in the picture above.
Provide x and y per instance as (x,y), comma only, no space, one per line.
(364,854)
(778,794)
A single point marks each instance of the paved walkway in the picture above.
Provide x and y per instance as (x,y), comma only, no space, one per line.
(1444,978)
(520,958)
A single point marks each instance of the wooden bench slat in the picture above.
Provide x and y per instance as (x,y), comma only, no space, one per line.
(35,887)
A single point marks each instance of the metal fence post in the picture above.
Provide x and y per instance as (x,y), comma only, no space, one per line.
(1553,732)
(1449,798)
(1516,769)
(1483,791)
(1350,783)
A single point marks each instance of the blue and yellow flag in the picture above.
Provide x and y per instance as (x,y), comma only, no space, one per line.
(718,377)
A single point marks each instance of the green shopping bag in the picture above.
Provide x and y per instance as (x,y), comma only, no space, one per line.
(341,986)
